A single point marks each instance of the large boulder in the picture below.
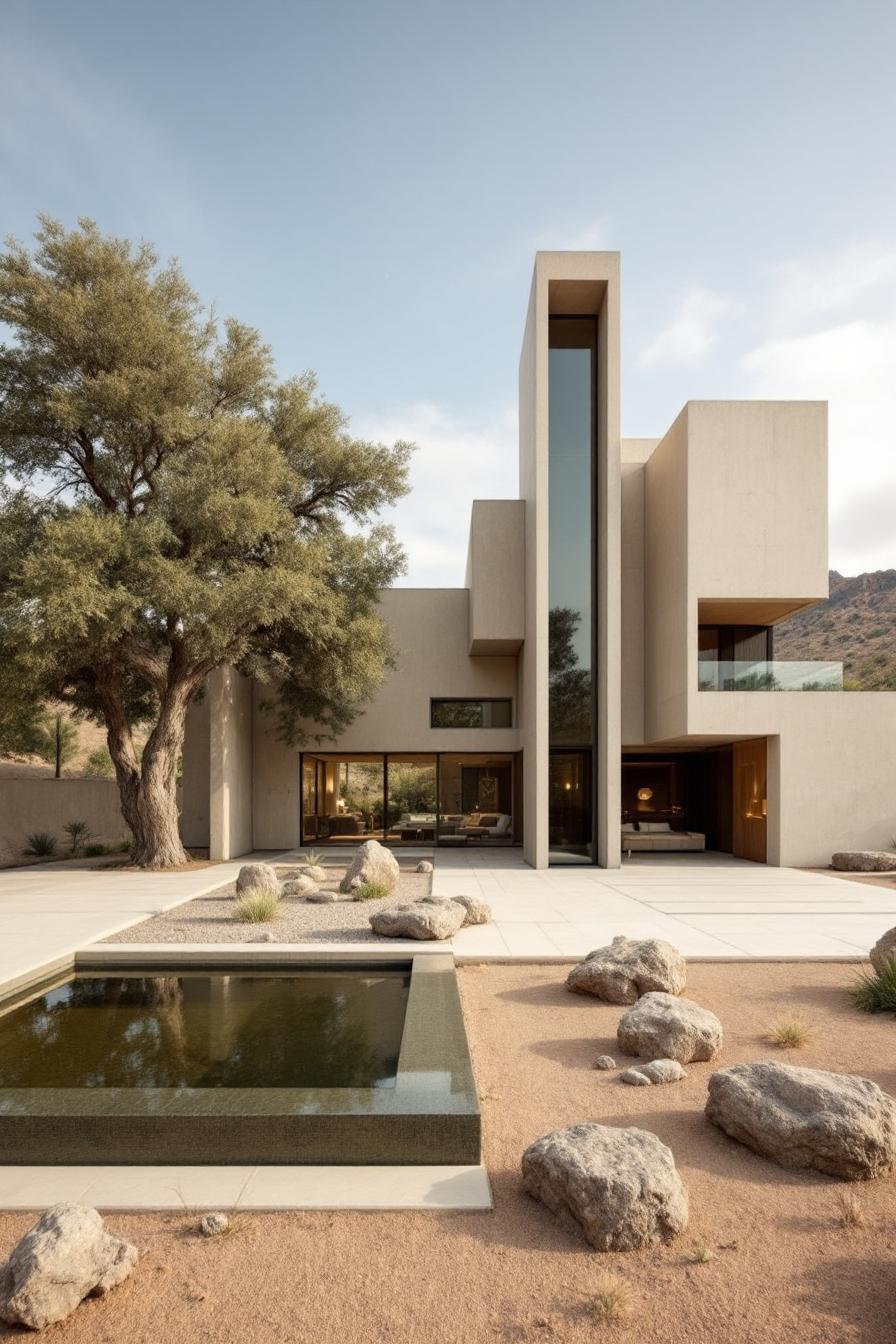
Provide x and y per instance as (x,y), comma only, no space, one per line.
(65,1257)
(864,861)
(428,919)
(371,862)
(628,968)
(620,1186)
(256,876)
(661,1026)
(476,911)
(884,950)
(834,1122)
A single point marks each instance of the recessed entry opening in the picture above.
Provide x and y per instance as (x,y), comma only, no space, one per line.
(711,799)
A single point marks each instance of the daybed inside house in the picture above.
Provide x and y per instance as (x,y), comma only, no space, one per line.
(654,836)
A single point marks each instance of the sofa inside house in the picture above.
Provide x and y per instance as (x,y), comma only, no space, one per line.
(495,825)
(472,825)
(656,836)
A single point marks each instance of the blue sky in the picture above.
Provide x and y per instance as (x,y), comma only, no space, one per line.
(367,183)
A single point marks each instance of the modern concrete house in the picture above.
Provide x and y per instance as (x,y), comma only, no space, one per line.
(605,681)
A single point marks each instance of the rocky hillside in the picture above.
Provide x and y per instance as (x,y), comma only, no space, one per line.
(856,626)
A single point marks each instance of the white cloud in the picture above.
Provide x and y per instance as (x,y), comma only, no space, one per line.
(823,285)
(456,462)
(691,333)
(837,342)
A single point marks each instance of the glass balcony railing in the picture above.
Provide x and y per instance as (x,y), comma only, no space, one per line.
(770,676)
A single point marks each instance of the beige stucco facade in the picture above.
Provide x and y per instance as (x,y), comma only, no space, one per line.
(721,522)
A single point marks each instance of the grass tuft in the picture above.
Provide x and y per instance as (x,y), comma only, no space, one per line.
(612,1298)
(312,858)
(370,891)
(41,845)
(259,906)
(875,991)
(790,1033)
(702,1255)
(849,1210)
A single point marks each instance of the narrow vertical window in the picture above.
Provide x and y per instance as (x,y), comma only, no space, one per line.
(571,419)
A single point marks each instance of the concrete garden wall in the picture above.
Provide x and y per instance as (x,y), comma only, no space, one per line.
(29,805)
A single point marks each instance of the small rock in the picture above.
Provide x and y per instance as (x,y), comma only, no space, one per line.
(663,1071)
(300,886)
(253,876)
(321,896)
(628,968)
(605,1062)
(213,1224)
(314,871)
(635,1077)
(619,1186)
(265,937)
(65,1257)
(661,1026)
(424,866)
(475,910)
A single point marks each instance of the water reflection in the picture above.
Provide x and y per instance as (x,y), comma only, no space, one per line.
(307,1029)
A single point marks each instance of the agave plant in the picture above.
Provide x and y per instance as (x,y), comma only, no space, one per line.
(41,845)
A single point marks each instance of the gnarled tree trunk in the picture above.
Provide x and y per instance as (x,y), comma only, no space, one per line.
(148,787)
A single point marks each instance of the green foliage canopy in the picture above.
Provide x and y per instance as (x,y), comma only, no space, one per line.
(175,507)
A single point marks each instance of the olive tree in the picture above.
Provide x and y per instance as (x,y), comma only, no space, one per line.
(170,507)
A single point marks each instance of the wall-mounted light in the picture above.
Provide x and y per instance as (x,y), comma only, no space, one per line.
(645,795)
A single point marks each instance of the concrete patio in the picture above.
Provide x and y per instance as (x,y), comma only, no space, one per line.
(708,905)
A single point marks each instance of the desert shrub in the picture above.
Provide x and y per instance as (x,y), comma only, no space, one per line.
(875,991)
(790,1033)
(612,1298)
(259,906)
(849,1210)
(99,764)
(41,845)
(77,832)
(312,858)
(370,891)
(94,851)
(702,1255)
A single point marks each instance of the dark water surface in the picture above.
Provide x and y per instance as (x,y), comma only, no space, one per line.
(307,1028)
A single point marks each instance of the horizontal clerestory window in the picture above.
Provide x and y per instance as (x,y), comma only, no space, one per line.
(471,713)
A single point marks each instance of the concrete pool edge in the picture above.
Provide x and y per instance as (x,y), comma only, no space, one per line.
(192,1189)
(430,1118)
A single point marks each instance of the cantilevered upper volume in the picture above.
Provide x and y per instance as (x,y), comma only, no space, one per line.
(605,681)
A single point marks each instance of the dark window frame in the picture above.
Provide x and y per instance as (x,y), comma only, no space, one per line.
(471,700)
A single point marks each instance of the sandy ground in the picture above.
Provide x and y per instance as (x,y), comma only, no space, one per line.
(781,1267)
(869,879)
(210,918)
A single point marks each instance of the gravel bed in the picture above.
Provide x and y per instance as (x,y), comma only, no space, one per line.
(210,918)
